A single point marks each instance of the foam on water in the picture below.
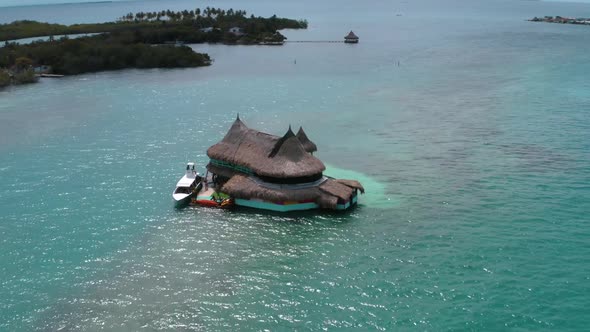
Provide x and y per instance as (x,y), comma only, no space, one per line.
(375,192)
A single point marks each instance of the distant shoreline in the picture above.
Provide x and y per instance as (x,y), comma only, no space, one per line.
(562,20)
(142,40)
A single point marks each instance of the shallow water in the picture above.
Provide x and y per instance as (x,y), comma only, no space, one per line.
(468,125)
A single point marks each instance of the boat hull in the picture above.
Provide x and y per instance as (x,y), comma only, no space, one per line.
(182,200)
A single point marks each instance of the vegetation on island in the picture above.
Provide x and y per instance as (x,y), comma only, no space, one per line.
(195,26)
(562,20)
(141,40)
(20,73)
(98,53)
(5,78)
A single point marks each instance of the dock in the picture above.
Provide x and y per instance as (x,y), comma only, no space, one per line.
(314,41)
(51,75)
(351,38)
(206,193)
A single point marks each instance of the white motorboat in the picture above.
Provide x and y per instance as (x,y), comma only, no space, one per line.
(188,186)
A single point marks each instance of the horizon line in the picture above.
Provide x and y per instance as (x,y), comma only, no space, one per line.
(67,3)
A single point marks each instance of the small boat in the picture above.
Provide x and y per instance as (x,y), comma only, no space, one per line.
(188,186)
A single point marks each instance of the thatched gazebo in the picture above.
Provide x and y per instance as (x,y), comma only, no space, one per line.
(277,173)
(351,38)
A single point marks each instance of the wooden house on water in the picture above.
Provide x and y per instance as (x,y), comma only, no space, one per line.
(265,171)
(351,38)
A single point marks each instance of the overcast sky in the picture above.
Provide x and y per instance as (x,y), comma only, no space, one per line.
(4,3)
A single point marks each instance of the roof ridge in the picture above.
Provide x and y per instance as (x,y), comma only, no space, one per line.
(280,142)
(308,145)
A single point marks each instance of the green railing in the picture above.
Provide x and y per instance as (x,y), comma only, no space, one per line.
(237,168)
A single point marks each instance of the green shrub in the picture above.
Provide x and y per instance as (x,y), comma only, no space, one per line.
(4,78)
(25,76)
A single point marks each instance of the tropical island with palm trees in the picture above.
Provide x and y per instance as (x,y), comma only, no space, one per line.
(140,40)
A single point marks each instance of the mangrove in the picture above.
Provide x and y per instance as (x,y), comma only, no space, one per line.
(141,40)
(191,26)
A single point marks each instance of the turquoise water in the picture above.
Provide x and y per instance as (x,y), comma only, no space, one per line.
(474,150)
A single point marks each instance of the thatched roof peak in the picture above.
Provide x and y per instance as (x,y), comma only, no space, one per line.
(351,35)
(265,154)
(239,121)
(237,130)
(305,141)
(290,149)
(280,142)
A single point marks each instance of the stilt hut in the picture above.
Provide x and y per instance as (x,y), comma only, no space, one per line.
(278,173)
(351,38)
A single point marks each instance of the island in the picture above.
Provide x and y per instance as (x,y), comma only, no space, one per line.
(562,20)
(140,40)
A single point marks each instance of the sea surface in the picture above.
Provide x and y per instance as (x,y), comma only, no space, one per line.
(468,126)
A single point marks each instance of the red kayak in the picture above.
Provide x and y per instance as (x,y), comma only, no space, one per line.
(226,203)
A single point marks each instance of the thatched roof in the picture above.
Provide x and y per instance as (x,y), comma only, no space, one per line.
(265,154)
(351,35)
(336,189)
(305,141)
(326,194)
(352,184)
(279,144)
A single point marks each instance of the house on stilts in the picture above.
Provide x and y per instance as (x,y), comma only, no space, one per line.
(265,171)
(351,38)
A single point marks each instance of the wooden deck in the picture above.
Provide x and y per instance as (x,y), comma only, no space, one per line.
(206,192)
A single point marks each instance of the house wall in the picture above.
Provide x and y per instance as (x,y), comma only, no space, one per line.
(258,204)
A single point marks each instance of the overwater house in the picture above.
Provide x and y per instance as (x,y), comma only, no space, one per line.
(209,29)
(42,69)
(351,38)
(278,173)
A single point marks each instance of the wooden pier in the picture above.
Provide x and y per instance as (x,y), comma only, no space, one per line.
(351,38)
(314,41)
(51,75)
